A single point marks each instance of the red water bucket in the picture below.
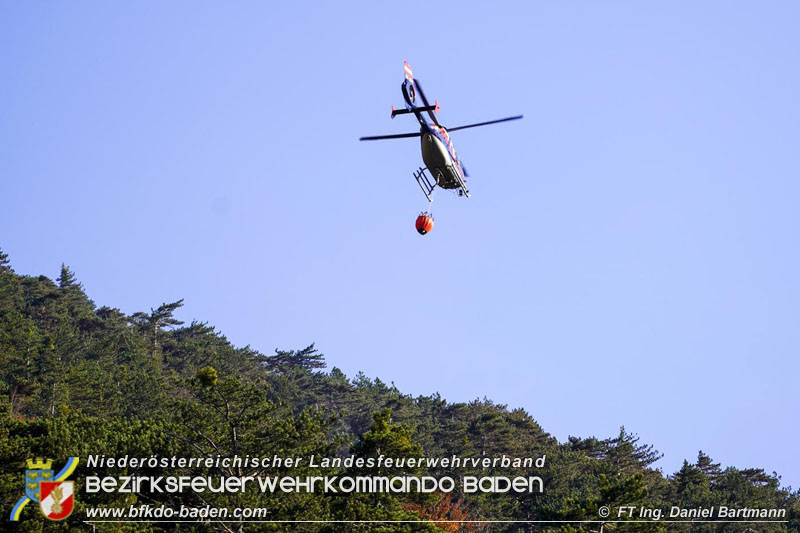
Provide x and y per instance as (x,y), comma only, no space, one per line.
(424,223)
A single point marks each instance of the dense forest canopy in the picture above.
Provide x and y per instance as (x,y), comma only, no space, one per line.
(77,379)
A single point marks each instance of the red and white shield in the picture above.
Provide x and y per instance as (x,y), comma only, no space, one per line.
(56,499)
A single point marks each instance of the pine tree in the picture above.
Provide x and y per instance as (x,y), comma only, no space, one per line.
(5,264)
(158,319)
(710,469)
(626,454)
(284,362)
(67,280)
(391,440)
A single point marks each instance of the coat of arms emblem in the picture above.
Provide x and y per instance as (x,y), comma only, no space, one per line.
(38,471)
(56,500)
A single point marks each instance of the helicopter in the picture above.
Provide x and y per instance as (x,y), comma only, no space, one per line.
(438,153)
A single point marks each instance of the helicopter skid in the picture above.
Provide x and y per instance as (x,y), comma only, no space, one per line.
(425,183)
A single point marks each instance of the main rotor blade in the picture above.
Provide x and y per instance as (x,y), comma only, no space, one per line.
(425,101)
(397,136)
(484,123)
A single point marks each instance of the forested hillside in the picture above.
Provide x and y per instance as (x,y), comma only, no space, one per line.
(77,379)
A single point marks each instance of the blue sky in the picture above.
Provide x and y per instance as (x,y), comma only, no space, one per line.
(629,255)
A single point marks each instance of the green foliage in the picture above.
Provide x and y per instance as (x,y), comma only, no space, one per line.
(76,379)
(207,376)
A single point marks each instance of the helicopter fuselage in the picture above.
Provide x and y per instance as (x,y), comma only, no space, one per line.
(438,154)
